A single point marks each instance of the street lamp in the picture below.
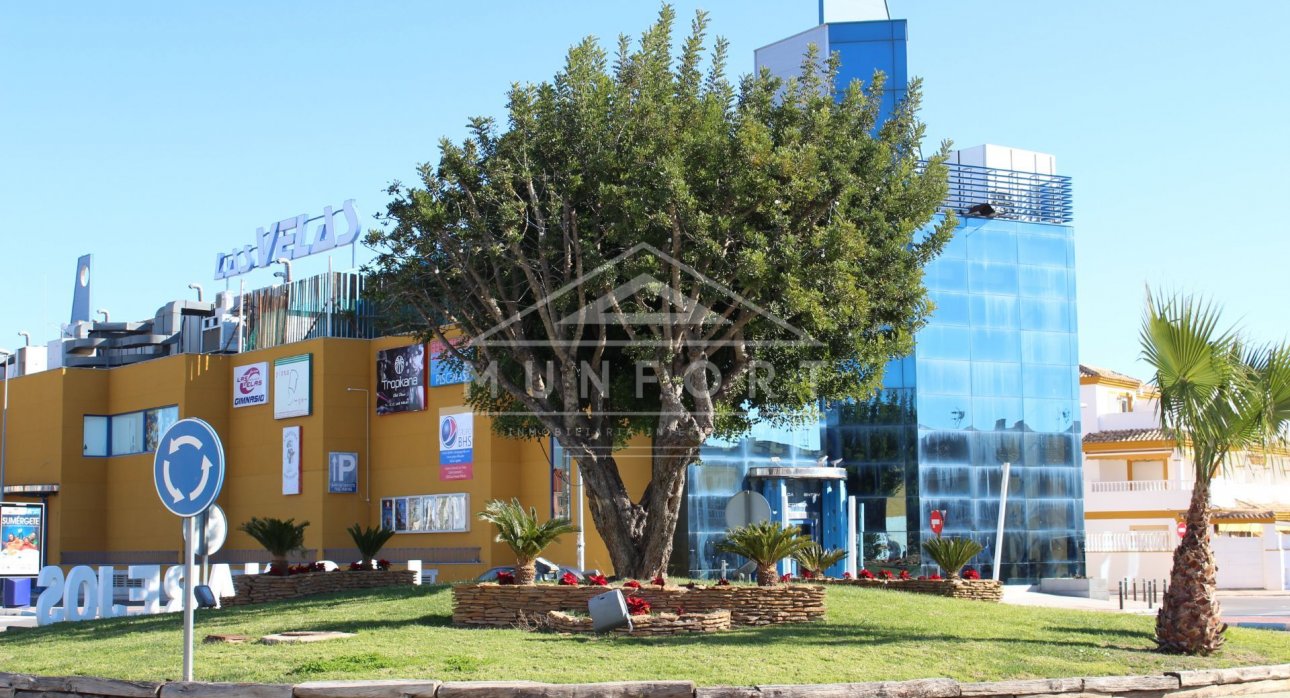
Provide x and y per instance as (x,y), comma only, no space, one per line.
(367,416)
(285,274)
(4,418)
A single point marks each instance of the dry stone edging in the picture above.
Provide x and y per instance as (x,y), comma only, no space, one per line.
(1205,683)
(264,588)
(497,605)
(971,589)
(660,624)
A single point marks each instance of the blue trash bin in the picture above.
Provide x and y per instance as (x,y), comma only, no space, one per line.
(16,593)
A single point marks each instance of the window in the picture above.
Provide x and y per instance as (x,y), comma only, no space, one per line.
(129,433)
(561,484)
(96,436)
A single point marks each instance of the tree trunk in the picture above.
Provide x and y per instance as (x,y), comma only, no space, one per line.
(525,572)
(1188,622)
(279,565)
(766,575)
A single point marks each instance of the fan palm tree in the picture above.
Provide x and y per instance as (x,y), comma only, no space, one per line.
(1219,397)
(279,537)
(519,529)
(369,541)
(765,544)
(815,558)
(951,554)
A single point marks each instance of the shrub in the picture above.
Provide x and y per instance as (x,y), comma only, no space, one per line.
(636,606)
(369,541)
(279,537)
(765,544)
(519,529)
(951,554)
(814,559)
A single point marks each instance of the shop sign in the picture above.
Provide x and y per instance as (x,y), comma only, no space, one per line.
(401,379)
(290,238)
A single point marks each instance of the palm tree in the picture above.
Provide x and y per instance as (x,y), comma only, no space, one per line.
(814,558)
(279,537)
(765,544)
(1218,397)
(520,530)
(369,541)
(951,554)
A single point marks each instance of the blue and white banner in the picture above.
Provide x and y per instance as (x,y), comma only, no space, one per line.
(457,446)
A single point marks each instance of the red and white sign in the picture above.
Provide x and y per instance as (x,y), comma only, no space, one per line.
(251,385)
(938,521)
(1182,529)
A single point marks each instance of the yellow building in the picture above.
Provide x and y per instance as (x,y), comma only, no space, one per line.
(86,436)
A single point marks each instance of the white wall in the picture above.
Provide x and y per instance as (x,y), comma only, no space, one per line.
(1240,562)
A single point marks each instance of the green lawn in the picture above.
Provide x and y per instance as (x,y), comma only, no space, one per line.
(405,633)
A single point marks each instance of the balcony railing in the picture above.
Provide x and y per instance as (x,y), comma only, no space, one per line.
(1130,541)
(1139,486)
(1009,194)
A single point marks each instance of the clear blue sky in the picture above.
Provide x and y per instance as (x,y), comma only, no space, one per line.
(155,134)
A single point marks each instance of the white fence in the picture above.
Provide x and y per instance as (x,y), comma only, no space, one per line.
(1131,541)
(1139,486)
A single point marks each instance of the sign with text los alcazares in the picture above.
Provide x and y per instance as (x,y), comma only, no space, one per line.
(291,238)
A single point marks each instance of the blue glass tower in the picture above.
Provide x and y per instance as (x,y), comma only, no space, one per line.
(993,378)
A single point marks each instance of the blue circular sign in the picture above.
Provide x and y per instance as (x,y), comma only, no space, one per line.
(188,467)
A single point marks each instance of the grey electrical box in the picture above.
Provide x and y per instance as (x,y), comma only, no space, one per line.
(609,611)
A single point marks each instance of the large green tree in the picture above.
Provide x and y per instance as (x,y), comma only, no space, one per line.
(1220,398)
(646,249)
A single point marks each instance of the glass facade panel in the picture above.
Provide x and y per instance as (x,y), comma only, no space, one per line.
(127,434)
(96,436)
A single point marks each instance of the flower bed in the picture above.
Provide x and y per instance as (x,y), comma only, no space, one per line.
(504,605)
(262,588)
(973,589)
(659,624)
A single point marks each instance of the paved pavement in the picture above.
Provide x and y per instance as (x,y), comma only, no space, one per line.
(1264,609)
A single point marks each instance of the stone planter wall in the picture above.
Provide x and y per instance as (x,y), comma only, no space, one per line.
(660,624)
(262,588)
(1209,683)
(973,589)
(496,605)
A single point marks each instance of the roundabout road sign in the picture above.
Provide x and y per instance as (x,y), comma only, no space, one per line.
(188,468)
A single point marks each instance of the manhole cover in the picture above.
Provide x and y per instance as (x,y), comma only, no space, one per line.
(296,636)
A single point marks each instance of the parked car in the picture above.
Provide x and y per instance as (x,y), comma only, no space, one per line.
(547,571)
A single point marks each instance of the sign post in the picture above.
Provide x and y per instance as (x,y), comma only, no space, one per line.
(188,474)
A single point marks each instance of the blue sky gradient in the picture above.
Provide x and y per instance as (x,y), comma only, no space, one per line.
(155,134)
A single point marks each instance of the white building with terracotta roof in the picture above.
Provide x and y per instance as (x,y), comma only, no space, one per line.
(1138,484)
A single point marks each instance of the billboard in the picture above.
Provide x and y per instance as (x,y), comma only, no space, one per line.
(22,539)
(251,384)
(457,446)
(401,379)
(291,460)
(441,371)
(292,388)
(430,513)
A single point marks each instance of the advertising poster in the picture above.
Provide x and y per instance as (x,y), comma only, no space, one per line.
(401,379)
(457,446)
(432,513)
(251,384)
(342,472)
(292,396)
(291,460)
(387,514)
(22,539)
(441,371)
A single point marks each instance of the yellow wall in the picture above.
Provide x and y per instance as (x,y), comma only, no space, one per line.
(109,505)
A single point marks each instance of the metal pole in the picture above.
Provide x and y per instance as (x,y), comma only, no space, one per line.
(860,521)
(190,571)
(998,536)
(205,547)
(582,534)
(4,422)
(851,537)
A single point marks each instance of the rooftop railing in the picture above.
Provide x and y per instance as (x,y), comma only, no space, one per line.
(1130,541)
(991,192)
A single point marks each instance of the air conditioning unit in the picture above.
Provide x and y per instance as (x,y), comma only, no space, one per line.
(219,335)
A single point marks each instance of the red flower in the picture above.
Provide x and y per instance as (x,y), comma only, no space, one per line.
(680,611)
(922,577)
(886,574)
(971,574)
(356,566)
(807,574)
(935,577)
(631,584)
(659,581)
(846,575)
(505,577)
(904,574)
(788,577)
(637,606)
(865,574)
(723,582)
(597,580)
(382,564)
(569,580)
